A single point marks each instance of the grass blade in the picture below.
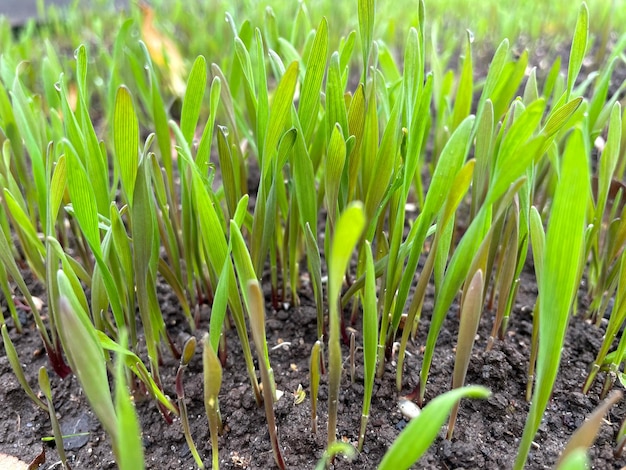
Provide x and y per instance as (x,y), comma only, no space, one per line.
(579,47)
(421,431)
(559,280)
(347,233)
(126,140)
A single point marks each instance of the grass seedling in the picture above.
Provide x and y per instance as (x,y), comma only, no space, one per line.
(18,370)
(126,167)
(370,335)
(558,281)
(86,357)
(315,375)
(348,230)
(257,322)
(470,317)
(336,448)
(421,431)
(44,385)
(130,445)
(585,435)
(189,349)
(212,383)
(352,355)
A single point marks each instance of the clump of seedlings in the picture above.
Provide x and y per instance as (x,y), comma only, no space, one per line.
(304,161)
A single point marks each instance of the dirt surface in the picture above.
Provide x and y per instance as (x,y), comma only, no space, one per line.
(486,436)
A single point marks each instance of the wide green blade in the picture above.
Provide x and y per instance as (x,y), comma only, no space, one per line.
(421,431)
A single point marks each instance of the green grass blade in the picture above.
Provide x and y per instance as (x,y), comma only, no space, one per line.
(126,140)
(370,338)
(129,431)
(366,12)
(384,164)
(421,431)
(212,369)
(220,302)
(135,364)
(86,357)
(579,47)
(448,165)
(196,86)
(83,199)
(347,233)
(584,436)
(336,112)
(315,68)
(335,161)
(559,281)
(280,112)
(18,370)
(470,317)
(465,88)
(511,162)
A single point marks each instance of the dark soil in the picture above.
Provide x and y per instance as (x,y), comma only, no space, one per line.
(487,432)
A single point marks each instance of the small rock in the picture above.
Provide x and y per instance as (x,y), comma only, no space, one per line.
(78,428)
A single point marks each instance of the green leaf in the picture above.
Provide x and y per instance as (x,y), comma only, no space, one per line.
(18,370)
(465,88)
(83,199)
(421,431)
(366,12)
(511,160)
(370,337)
(559,281)
(579,47)
(335,104)
(493,75)
(220,302)
(135,364)
(335,161)
(586,434)
(243,262)
(559,116)
(86,357)
(448,165)
(347,233)
(203,154)
(129,431)
(279,114)
(384,164)
(196,85)
(126,140)
(229,181)
(57,186)
(212,369)
(576,460)
(315,67)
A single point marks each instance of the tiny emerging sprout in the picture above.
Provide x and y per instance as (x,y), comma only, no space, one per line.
(212,369)
(188,351)
(257,322)
(299,395)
